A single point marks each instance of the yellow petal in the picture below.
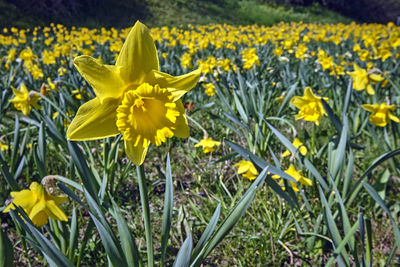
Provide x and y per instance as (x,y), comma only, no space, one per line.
(138,55)
(136,154)
(40,218)
(179,85)
(94,120)
(105,79)
(393,117)
(40,206)
(286,153)
(55,212)
(370,90)
(368,107)
(25,198)
(181,126)
(376,77)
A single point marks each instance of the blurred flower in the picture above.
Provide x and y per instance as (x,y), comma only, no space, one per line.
(3,146)
(363,79)
(38,204)
(246,169)
(381,113)
(297,175)
(132,98)
(310,106)
(250,58)
(296,143)
(210,89)
(208,145)
(24,99)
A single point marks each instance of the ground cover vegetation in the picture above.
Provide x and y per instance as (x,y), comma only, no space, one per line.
(287,151)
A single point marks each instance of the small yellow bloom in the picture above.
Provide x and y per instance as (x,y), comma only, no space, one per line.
(38,204)
(297,175)
(210,89)
(250,58)
(24,99)
(132,98)
(363,79)
(381,113)
(3,146)
(208,145)
(247,169)
(310,105)
(296,143)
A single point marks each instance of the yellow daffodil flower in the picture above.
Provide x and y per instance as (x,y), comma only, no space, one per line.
(296,143)
(381,113)
(38,204)
(297,175)
(310,106)
(3,146)
(363,79)
(208,145)
(24,99)
(132,98)
(247,169)
(210,89)
(250,58)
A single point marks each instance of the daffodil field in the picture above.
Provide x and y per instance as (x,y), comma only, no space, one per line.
(208,145)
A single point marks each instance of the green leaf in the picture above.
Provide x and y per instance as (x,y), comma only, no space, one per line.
(183,257)
(167,213)
(129,248)
(109,243)
(207,232)
(342,244)
(233,217)
(371,191)
(6,250)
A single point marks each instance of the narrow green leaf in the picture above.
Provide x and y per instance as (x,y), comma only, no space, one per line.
(6,250)
(168,208)
(207,232)
(109,244)
(342,244)
(129,248)
(183,257)
(371,191)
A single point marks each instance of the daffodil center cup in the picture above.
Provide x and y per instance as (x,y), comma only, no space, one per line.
(147,114)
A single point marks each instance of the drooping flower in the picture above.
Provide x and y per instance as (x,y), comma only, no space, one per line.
(363,79)
(38,204)
(310,105)
(247,169)
(208,145)
(296,143)
(297,175)
(381,113)
(132,98)
(23,99)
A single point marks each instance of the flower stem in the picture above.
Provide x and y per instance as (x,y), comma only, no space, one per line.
(146,214)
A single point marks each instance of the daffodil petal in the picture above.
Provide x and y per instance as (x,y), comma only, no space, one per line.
(393,117)
(40,218)
(136,154)
(24,198)
(40,206)
(368,107)
(55,212)
(179,85)
(138,55)
(105,79)
(94,120)
(182,127)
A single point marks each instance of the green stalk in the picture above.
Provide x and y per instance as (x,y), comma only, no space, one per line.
(24,247)
(146,214)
